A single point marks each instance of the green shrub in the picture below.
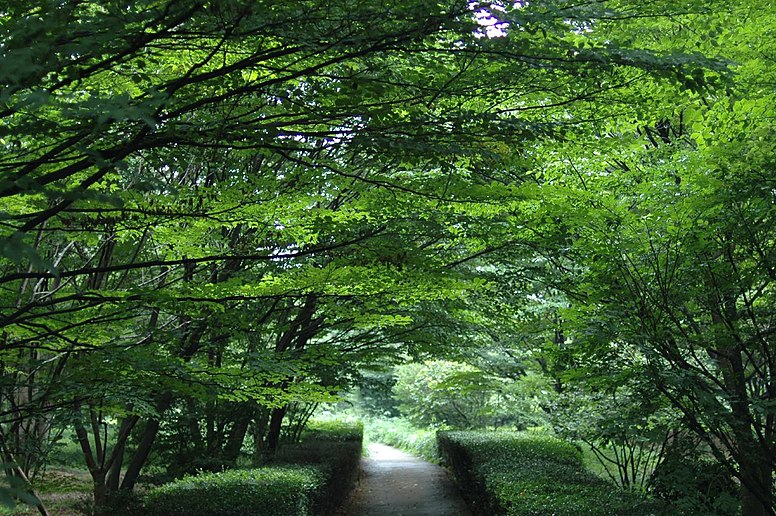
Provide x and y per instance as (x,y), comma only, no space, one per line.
(333,430)
(498,445)
(270,491)
(521,474)
(312,477)
(693,483)
(334,448)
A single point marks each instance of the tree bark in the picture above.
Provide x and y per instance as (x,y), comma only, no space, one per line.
(259,427)
(144,447)
(100,488)
(275,425)
(237,436)
(754,463)
(114,473)
(755,473)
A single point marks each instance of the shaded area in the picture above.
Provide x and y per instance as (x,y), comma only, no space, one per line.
(393,483)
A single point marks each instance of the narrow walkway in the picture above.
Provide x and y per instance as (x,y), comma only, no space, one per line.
(393,483)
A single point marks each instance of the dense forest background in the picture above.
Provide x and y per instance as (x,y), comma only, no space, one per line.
(217,215)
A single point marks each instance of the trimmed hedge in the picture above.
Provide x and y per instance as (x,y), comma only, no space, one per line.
(517,474)
(311,478)
(276,491)
(333,431)
(334,447)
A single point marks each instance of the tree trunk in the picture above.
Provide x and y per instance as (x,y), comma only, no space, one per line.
(141,455)
(259,427)
(144,447)
(114,473)
(275,424)
(100,489)
(237,436)
(96,470)
(756,486)
(754,463)
(212,439)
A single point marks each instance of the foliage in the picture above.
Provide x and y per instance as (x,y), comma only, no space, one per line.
(442,393)
(374,394)
(333,448)
(266,491)
(214,213)
(660,235)
(627,432)
(400,433)
(214,209)
(523,474)
(16,488)
(333,430)
(307,478)
(459,395)
(694,483)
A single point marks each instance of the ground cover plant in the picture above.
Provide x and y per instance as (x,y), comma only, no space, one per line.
(525,474)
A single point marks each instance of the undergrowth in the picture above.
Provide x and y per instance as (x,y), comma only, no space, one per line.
(401,434)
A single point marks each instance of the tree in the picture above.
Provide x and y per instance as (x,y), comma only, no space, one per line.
(666,244)
(173,165)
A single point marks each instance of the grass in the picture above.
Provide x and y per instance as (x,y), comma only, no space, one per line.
(64,490)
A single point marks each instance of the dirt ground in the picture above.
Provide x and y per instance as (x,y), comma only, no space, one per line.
(393,483)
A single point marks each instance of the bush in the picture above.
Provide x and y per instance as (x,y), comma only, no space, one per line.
(276,491)
(522,474)
(334,448)
(333,430)
(310,478)
(693,483)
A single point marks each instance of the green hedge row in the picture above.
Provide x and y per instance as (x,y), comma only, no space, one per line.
(334,447)
(517,474)
(311,478)
(333,431)
(267,491)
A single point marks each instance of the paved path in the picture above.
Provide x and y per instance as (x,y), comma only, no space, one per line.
(393,483)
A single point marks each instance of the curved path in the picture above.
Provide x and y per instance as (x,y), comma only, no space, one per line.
(393,483)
